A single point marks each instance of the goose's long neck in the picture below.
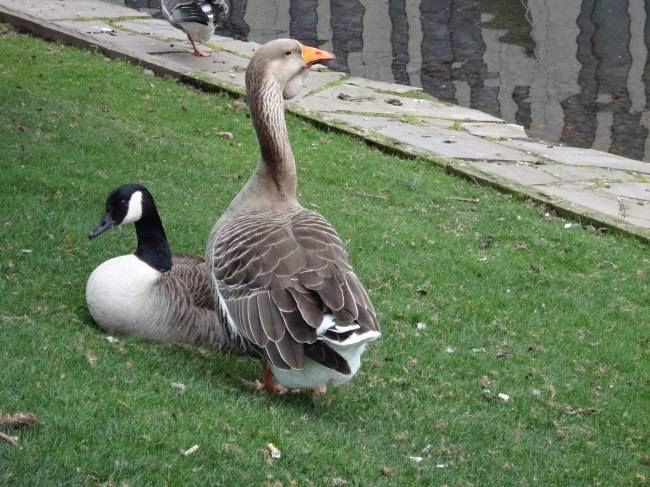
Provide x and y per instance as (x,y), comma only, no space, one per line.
(153,247)
(275,174)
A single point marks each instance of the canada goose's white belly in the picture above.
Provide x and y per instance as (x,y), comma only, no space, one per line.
(117,294)
(314,375)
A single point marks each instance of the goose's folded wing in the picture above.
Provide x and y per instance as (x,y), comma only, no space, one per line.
(278,278)
(174,304)
(191,269)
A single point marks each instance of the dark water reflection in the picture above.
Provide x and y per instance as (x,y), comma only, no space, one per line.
(570,71)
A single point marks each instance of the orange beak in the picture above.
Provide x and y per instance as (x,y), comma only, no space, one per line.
(313,55)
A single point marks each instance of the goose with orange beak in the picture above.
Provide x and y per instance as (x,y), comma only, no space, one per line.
(279,272)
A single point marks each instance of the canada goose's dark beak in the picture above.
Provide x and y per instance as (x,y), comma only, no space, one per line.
(313,55)
(105,223)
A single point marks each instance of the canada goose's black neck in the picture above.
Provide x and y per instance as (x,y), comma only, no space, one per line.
(267,113)
(153,247)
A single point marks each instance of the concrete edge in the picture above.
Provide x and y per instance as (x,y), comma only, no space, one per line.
(53,32)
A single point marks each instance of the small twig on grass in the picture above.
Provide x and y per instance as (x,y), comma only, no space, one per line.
(364,194)
(466,200)
(190,451)
(10,439)
(525,247)
(475,181)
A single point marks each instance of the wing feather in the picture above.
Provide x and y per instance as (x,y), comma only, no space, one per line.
(278,273)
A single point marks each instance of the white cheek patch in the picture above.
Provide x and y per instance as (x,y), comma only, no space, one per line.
(135,208)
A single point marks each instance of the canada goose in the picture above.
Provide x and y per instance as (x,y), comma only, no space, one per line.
(197,18)
(279,272)
(152,293)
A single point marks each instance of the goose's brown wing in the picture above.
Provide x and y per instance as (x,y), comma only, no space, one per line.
(172,305)
(191,269)
(278,272)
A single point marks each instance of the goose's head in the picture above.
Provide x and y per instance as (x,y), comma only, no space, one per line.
(285,63)
(125,204)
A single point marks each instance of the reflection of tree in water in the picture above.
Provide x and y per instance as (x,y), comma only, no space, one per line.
(510,15)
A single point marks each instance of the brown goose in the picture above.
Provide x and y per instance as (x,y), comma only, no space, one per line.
(152,293)
(280,274)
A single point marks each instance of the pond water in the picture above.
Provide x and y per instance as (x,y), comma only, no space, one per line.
(570,71)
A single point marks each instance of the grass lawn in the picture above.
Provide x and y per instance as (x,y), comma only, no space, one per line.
(558,319)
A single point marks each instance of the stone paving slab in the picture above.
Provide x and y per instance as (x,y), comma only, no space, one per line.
(380,85)
(522,173)
(583,194)
(69,9)
(577,173)
(453,143)
(316,80)
(244,49)
(93,29)
(224,62)
(375,123)
(638,214)
(231,76)
(639,191)
(579,157)
(367,100)
(161,29)
(496,130)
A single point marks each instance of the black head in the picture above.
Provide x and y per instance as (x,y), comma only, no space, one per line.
(126,204)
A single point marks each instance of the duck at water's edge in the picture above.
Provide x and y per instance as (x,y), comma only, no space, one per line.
(152,293)
(279,272)
(197,18)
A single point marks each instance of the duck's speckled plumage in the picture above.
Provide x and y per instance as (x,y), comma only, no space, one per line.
(280,274)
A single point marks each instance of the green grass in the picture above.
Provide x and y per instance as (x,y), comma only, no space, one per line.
(74,125)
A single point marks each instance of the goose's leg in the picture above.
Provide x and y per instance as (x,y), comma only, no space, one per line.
(268,381)
(196,51)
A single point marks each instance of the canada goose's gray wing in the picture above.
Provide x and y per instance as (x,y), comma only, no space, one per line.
(171,302)
(191,269)
(278,273)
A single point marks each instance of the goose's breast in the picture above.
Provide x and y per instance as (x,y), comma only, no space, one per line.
(117,293)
